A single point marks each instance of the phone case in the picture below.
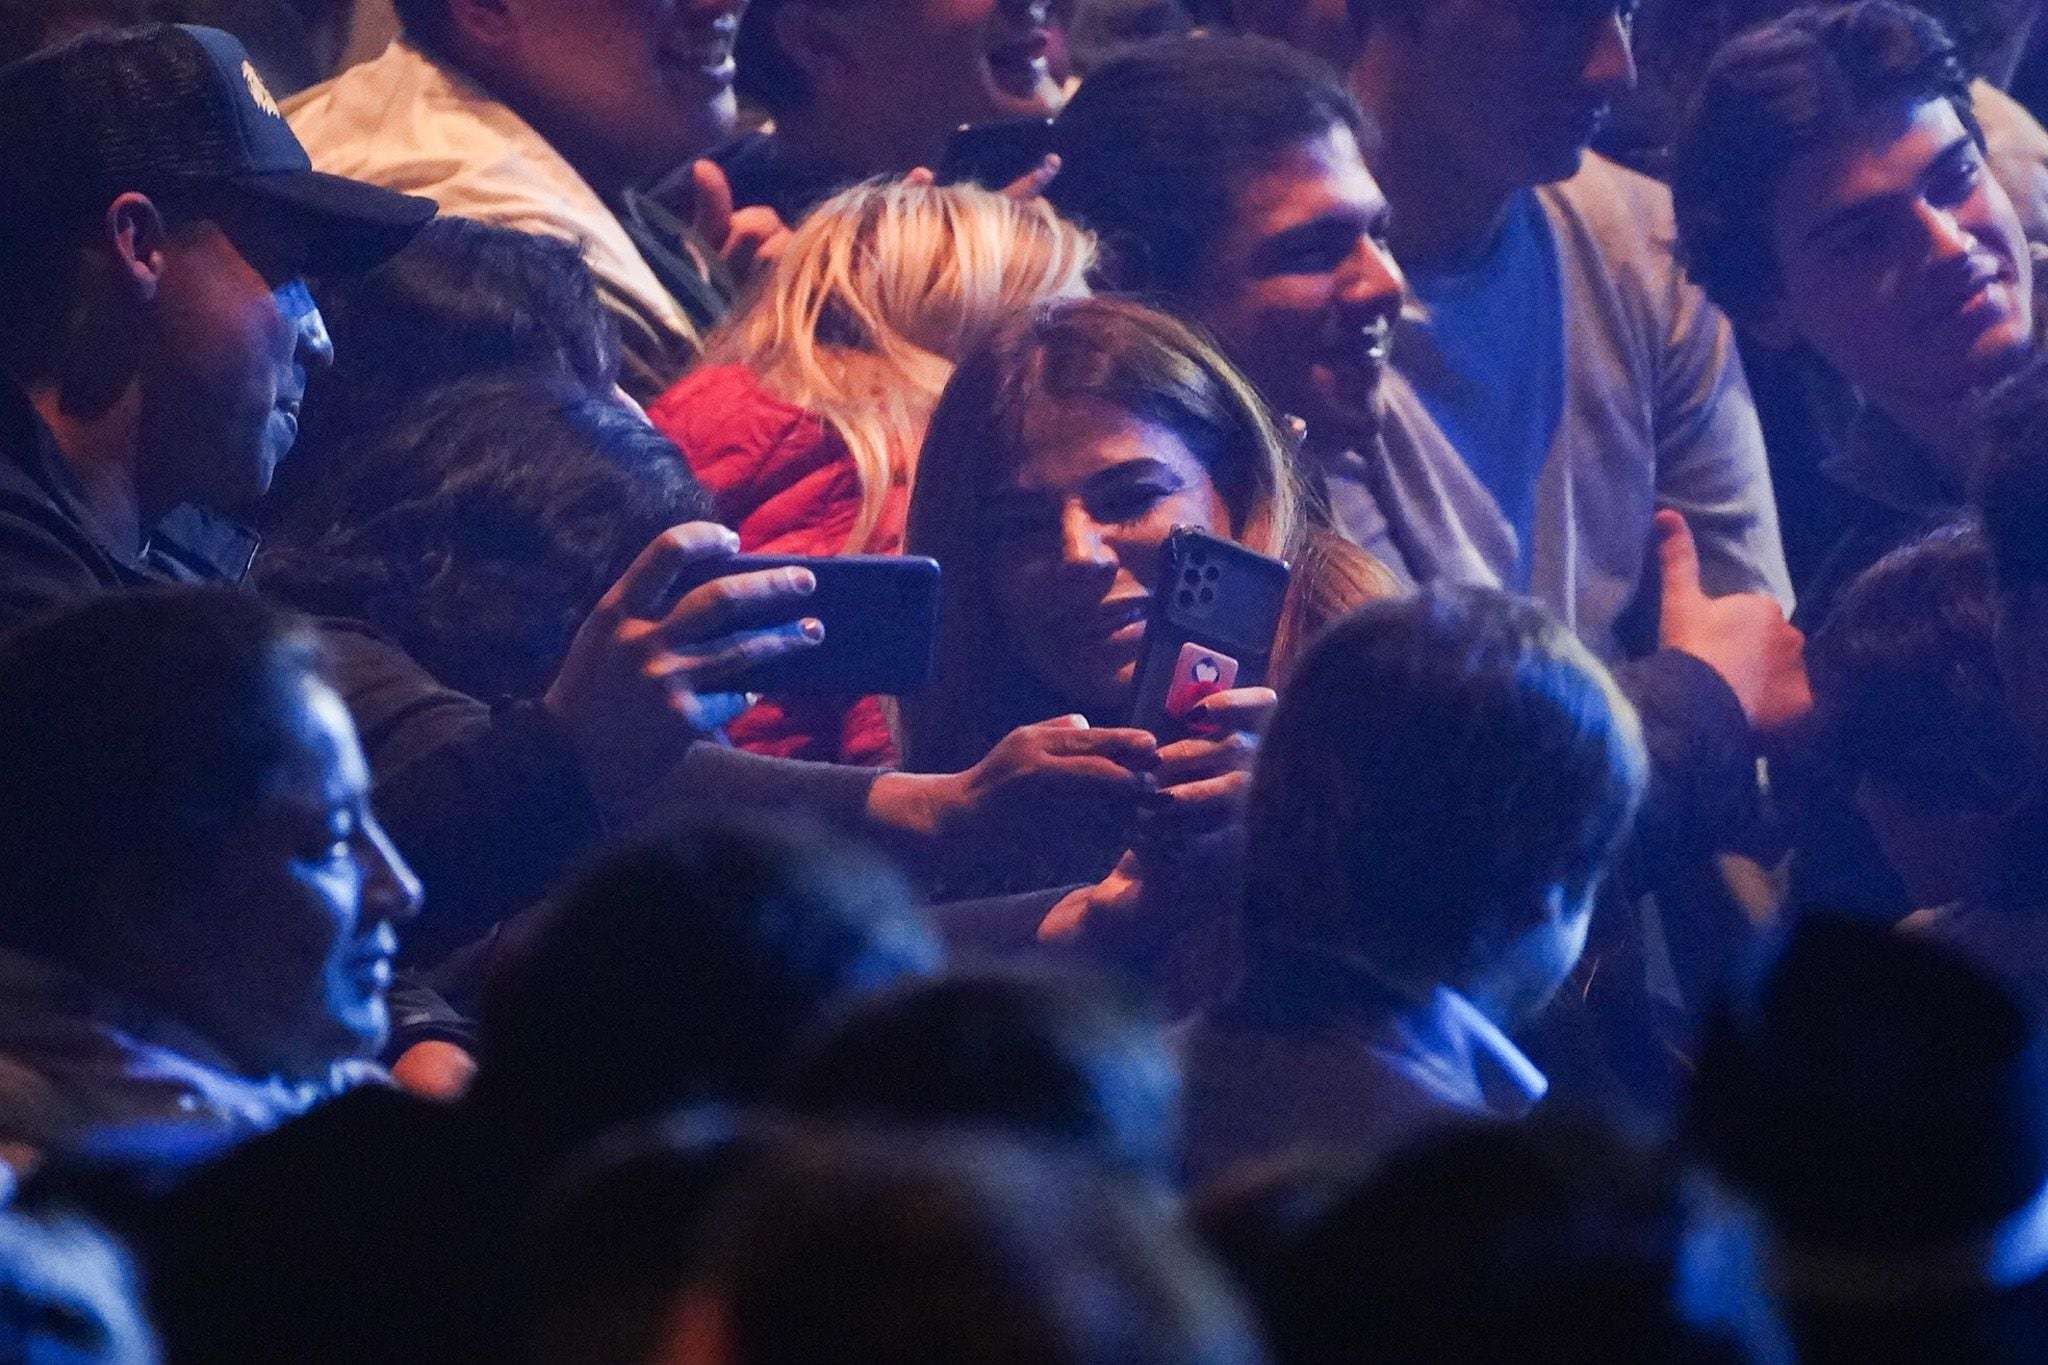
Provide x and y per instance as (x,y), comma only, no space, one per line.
(1223,599)
(881,615)
(993,154)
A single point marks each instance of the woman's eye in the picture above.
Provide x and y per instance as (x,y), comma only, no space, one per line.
(1015,523)
(1129,504)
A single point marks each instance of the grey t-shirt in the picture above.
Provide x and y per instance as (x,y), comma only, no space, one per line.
(1654,412)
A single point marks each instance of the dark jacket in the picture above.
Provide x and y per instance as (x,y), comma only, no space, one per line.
(489,803)
(52,552)
(1888,491)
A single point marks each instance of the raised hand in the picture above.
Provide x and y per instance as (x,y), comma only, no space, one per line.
(748,240)
(650,671)
(1744,637)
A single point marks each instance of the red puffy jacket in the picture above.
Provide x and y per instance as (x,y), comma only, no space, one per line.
(784,480)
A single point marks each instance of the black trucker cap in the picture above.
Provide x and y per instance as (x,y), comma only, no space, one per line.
(173,108)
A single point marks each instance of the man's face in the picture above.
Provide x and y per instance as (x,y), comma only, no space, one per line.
(1900,260)
(1514,90)
(921,68)
(642,86)
(235,335)
(1299,289)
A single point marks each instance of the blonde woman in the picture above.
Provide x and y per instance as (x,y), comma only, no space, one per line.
(806,416)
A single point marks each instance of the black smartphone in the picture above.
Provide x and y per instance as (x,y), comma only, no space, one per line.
(994,154)
(881,616)
(1209,627)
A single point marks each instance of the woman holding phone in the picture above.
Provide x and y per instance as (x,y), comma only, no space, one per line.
(1061,457)
(805,419)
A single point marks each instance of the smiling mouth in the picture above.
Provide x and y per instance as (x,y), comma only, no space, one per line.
(1364,348)
(1110,623)
(706,49)
(1018,64)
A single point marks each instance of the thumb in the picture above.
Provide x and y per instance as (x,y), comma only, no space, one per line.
(1679,558)
(711,209)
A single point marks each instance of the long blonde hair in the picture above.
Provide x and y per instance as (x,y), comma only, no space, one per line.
(881,290)
(1149,365)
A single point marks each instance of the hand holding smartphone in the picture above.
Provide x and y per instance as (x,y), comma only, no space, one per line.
(880,614)
(1209,628)
(993,155)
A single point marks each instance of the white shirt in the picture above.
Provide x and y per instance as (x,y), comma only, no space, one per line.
(409,124)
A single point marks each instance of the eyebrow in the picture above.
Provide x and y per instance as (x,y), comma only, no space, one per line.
(1121,471)
(1947,157)
(1330,222)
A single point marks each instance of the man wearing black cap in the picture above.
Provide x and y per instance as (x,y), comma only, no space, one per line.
(156,218)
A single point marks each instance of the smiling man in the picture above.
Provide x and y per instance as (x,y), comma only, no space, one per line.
(1832,192)
(1226,180)
(578,119)
(156,215)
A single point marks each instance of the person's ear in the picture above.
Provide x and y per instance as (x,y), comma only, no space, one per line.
(815,41)
(137,238)
(487,26)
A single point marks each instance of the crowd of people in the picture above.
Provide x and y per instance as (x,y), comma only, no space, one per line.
(1610,925)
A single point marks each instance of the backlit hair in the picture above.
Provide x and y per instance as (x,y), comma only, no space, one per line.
(882,289)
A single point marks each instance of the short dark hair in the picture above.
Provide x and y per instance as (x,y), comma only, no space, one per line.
(1808,80)
(1550,1239)
(1154,144)
(133,727)
(959,1248)
(686,968)
(1905,677)
(2011,485)
(1437,765)
(1055,1059)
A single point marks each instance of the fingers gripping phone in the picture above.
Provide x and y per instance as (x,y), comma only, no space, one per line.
(1209,627)
(880,612)
(994,154)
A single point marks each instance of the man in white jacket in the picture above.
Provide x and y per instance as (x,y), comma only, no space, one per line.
(575,118)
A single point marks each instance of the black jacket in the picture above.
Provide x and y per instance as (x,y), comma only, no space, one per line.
(489,803)
(52,552)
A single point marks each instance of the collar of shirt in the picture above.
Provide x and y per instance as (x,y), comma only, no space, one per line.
(1448,1044)
(190,545)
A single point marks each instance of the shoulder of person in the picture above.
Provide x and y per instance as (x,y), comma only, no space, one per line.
(1623,207)
(46,557)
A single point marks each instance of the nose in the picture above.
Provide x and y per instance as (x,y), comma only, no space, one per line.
(1082,544)
(1611,65)
(312,348)
(1372,283)
(391,891)
(1946,237)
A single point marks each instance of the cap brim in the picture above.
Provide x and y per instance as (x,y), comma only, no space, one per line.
(356,227)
